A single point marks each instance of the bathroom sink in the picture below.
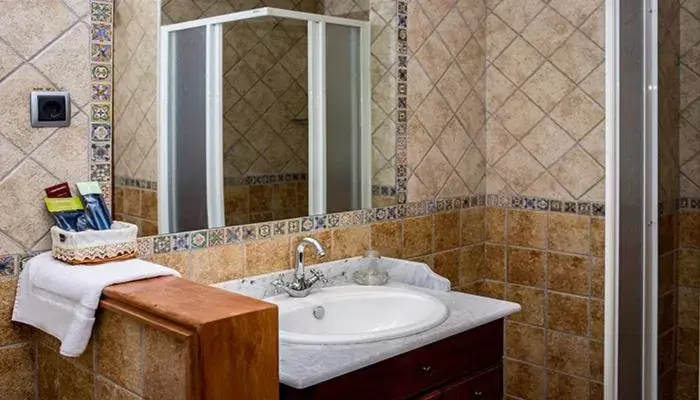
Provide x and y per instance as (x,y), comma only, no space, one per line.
(356,314)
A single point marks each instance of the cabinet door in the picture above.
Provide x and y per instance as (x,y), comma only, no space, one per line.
(486,386)
(434,395)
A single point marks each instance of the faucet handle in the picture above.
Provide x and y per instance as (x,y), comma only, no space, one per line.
(278,283)
(319,275)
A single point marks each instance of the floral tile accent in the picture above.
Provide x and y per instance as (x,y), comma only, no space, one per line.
(101,72)
(598,210)
(145,246)
(570,207)
(583,208)
(101,132)
(217,237)
(264,231)
(279,228)
(101,12)
(7,266)
(101,92)
(307,224)
(199,240)
(556,205)
(234,234)
(334,220)
(320,222)
(100,152)
(101,33)
(100,172)
(100,113)
(248,232)
(161,244)
(294,226)
(181,241)
(100,52)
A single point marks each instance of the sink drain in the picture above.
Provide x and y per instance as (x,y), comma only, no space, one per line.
(319,312)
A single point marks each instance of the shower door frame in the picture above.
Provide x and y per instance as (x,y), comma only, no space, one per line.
(631,239)
(316,65)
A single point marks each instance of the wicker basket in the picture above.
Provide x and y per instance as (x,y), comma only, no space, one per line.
(95,247)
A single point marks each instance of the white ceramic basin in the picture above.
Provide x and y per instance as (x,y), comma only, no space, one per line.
(357,314)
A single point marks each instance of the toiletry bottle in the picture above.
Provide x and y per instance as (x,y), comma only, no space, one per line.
(374,275)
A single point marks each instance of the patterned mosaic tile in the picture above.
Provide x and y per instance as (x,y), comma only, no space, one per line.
(216,237)
(199,240)
(7,266)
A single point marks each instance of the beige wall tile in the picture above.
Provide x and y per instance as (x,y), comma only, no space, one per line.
(417,236)
(472,222)
(217,264)
(567,313)
(267,256)
(569,233)
(471,264)
(165,366)
(527,267)
(177,260)
(560,386)
(17,372)
(568,353)
(350,242)
(447,265)
(10,332)
(527,228)
(531,300)
(494,263)
(495,225)
(566,273)
(447,231)
(525,343)
(119,347)
(524,380)
(387,238)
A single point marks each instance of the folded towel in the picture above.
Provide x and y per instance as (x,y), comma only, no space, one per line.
(61,299)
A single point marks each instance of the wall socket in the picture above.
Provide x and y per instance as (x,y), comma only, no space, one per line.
(50,109)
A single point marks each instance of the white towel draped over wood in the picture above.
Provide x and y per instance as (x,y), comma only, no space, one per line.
(61,299)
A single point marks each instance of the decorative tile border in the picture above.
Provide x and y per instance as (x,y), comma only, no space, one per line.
(135,183)
(379,190)
(101,67)
(201,239)
(401,187)
(686,204)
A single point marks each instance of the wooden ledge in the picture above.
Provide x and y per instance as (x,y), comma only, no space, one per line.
(233,339)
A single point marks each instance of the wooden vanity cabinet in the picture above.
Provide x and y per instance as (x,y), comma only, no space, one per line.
(466,366)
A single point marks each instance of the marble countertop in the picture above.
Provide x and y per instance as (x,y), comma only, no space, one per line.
(303,365)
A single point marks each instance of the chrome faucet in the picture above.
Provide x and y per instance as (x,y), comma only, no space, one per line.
(300,286)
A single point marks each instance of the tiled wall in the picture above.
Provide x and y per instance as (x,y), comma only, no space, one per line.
(138,206)
(689,151)
(124,360)
(545,98)
(551,263)
(39,52)
(246,204)
(135,90)
(688,303)
(669,75)
(446,88)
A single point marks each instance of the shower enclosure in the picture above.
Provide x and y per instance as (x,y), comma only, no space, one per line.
(653,236)
(325,123)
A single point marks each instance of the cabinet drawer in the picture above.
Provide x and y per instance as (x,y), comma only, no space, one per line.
(411,373)
(485,386)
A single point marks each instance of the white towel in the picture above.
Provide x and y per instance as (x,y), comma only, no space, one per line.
(61,299)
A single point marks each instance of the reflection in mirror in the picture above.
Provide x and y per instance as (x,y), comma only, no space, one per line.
(248,145)
(265,120)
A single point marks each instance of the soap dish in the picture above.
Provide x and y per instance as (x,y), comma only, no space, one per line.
(95,247)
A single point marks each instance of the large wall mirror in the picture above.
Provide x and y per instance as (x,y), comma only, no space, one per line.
(227,115)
